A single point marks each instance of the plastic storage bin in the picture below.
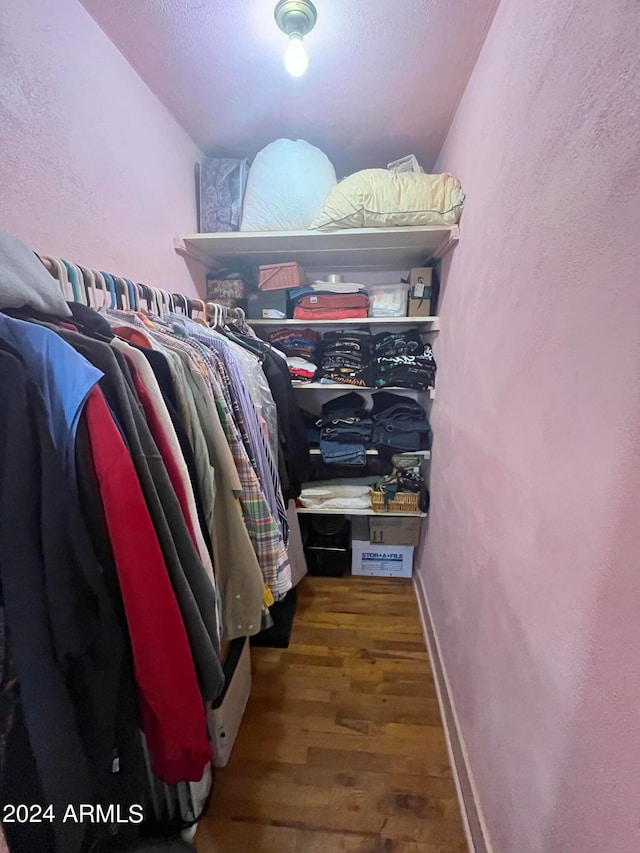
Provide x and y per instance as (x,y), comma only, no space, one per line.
(388,300)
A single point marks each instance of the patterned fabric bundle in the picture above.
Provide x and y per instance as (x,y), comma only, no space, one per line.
(401,359)
(345,357)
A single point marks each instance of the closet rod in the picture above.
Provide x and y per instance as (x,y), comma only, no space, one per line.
(100,289)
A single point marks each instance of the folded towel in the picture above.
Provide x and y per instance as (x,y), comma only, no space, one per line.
(337,287)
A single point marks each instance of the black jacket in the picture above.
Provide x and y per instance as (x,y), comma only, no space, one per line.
(64,635)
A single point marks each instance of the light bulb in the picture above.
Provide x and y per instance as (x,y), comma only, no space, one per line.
(295,59)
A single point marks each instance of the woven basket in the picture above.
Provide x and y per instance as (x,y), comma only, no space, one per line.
(281,276)
(403,502)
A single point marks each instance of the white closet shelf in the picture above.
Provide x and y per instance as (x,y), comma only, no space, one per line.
(332,386)
(312,511)
(315,451)
(434,322)
(362,248)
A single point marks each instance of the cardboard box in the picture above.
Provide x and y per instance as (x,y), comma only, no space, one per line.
(382,561)
(420,292)
(395,531)
(226,715)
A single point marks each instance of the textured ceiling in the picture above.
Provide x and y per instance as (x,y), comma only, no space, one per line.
(383,81)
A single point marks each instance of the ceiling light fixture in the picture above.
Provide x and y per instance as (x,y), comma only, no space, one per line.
(296,18)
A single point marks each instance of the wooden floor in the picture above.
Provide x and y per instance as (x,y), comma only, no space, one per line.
(341,747)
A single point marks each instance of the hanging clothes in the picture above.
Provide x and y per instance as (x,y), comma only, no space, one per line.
(63,634)
(145,465)
(209,380)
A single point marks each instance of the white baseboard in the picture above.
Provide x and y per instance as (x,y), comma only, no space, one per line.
(470,808)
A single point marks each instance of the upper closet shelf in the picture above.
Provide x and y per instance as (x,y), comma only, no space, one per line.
(357,248)
(434,322)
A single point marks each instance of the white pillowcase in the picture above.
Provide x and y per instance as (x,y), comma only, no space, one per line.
(378,198)
(287,184)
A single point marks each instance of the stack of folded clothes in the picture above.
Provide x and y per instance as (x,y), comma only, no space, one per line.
(403,360)
(399,424)
(311,303)
(396,426)
(345,357)
(336,497)
(312,425)
(301,370)
(296,343)
(337,287)
(345,431)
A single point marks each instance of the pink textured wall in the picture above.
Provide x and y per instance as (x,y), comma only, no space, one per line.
(92,167)
(532,558)
(368,96)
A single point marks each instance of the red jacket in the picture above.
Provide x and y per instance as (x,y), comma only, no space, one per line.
(173,715)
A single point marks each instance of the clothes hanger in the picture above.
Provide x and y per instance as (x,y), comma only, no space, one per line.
(247,338)
(62,276)
(122,292)
(240,322)
(84,296)
(133,293)
(126,295)
(203,309)
(50,267)
(72,275)
(46,263)
(167,302)
(219,316)
(158,301)
(147,296)
(80,280)
(129,294)
(89,280)
(104,287)
(211,314)
(181,298)
(112,289)
(122,296)
(141,295)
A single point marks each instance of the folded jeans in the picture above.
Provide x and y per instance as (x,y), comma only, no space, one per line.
(339,453)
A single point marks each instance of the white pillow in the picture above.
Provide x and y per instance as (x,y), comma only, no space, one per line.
(24,282)
(287,184)
(378,198)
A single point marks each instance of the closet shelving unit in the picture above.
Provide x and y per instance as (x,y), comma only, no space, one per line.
(352,251)
(328,386)
(372,321)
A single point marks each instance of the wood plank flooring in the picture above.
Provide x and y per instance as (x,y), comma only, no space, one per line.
(341,747)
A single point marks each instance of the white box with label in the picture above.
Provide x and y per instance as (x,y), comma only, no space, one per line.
(383,561)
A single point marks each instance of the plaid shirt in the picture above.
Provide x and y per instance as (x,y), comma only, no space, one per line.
(261,525)
(247,418)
